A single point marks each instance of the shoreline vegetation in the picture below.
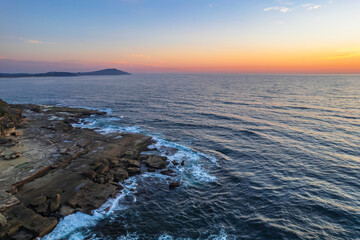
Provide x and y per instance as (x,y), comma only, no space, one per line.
(104,72)
(50,169)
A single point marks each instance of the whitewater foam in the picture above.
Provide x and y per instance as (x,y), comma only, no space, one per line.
(74,226)
(194,167)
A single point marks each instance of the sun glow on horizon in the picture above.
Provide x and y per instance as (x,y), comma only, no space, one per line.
(268,36)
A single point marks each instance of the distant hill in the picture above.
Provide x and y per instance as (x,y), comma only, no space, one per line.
(110,71)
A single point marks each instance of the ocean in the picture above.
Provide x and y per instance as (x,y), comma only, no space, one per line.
(266,156)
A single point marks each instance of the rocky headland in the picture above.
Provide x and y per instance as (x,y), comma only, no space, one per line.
(104,72)
(49,169)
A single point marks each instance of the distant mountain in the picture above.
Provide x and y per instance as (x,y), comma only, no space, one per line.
(110,71)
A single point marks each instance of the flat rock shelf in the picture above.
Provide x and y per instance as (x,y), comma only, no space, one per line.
(49,169)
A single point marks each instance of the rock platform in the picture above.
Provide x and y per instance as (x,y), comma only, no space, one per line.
(49,169)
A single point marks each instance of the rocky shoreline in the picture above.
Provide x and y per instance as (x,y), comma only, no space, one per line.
(49,169)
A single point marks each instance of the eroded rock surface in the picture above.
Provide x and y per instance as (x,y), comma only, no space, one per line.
(58,169)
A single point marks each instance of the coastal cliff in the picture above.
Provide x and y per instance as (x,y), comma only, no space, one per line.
(50,169)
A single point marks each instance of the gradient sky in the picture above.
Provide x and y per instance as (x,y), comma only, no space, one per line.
(150,36)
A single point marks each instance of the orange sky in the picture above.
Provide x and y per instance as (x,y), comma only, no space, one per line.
(265,36)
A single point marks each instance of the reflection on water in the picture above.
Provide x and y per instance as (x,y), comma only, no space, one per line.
(270,156)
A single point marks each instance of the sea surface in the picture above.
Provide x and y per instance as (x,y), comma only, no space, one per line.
(266,156)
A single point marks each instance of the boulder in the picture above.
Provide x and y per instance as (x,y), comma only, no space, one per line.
(133,170)
(134,163)
(129,162)
(102,169)
(100,180)
(173,185)
(91,174)
(109,177)
(143,157)
(120,175)
(55,203)
(92,196)
(114,162)
(156,162)
(66,210)
(131,153)
(43,208)
(168,172)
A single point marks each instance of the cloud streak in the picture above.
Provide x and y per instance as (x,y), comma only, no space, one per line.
(277,8)
(286,9)
(310,6)
(39,42)
(345,54)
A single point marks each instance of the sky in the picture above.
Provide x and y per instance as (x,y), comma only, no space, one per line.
(181,36)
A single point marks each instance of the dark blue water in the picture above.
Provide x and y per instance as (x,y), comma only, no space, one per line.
(267,156)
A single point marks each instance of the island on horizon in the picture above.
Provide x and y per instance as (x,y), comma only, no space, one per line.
(109,71)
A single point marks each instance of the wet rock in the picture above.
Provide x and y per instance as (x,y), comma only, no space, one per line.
(43,208)
(133,170)
(156,162)
(133,154)
(129,162)
(114,162)
(143,157)
(100,180)
(120,175)
(91,196)
(109,177)
(117,185)
(55,203)
(23,235)
(66,210)
(134,163)
(102,169)
(175,163)
(2,220)
(168,172)
(38,201)
(91,174)
(183,163)
(173,185)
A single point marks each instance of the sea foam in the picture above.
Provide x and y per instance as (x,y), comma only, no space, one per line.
(74,227)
